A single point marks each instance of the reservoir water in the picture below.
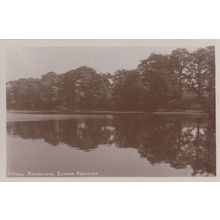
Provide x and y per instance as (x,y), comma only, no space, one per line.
(112,145)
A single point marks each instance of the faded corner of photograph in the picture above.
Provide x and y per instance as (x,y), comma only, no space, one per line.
(110,111)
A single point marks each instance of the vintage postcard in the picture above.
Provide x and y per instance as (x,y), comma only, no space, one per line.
(109,110)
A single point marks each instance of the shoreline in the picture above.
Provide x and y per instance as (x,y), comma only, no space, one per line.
(187,112)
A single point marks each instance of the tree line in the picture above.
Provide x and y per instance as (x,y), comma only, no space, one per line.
(180,80)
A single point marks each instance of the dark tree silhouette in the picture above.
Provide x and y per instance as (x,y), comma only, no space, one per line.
(160,82)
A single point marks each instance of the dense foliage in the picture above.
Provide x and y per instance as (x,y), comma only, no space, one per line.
(180,80)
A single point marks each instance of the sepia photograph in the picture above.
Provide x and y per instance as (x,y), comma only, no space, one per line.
(110,111)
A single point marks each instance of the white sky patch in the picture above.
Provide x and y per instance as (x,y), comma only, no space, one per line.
(26,62)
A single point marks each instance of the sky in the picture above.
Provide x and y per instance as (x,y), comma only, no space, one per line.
(26,62)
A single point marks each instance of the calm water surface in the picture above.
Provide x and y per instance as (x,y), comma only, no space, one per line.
(110,145)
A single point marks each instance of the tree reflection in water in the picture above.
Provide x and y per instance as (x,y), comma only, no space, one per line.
(179,141)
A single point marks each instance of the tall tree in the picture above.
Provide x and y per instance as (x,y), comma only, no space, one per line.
(199,74)
(129,91)
(49,90)
(155,74)
(178,60)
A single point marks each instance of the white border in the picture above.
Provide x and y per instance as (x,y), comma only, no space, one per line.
(121,43)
